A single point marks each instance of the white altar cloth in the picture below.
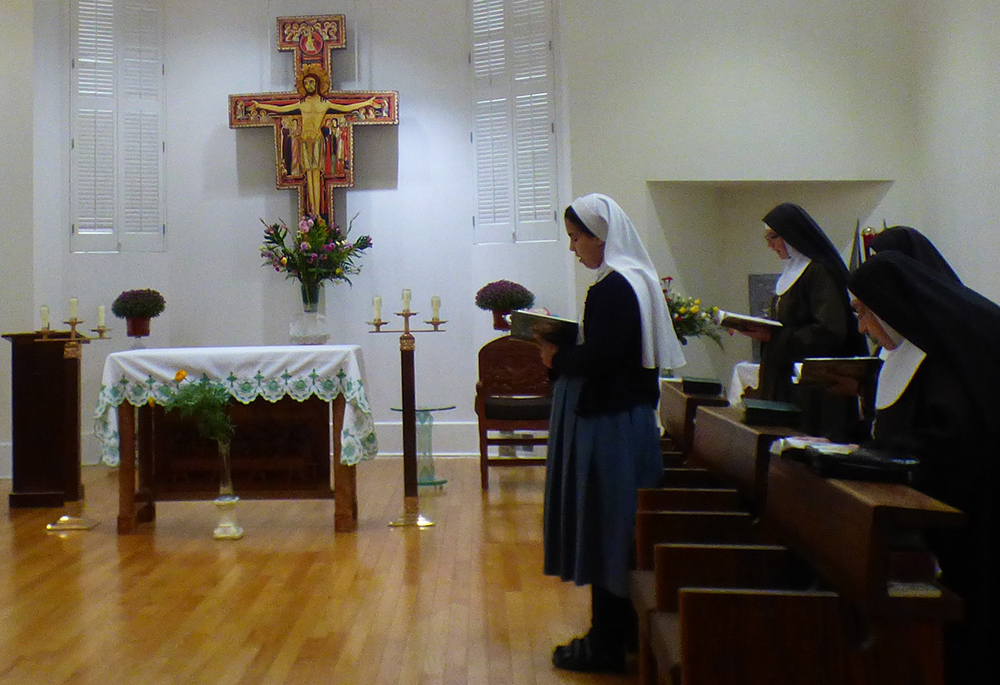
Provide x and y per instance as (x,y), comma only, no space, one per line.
(745,375)
(298,371)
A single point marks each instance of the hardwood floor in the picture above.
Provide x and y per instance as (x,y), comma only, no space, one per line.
(292,602)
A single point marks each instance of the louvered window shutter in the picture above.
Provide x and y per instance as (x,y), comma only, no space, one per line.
(117,157)
(514,138)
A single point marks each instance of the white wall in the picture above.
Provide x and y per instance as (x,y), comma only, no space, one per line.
(756,98)
(899,95)
(958,62)
(16,268)
(413,191)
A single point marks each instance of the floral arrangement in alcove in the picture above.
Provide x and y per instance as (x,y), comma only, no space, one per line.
(690,318)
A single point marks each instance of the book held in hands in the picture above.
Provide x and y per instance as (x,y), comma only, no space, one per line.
(531,326)
(744,322)
(834,370)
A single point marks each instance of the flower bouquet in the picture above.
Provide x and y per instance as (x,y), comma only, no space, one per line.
(313,253)
(690,318)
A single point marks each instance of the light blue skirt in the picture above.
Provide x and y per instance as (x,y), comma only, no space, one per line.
(594,468)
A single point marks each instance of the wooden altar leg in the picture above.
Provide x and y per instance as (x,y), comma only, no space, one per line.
(126,468)
(345,481)
(145,502)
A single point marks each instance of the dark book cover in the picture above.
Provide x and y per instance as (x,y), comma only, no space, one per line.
(530,326)
(771,413)
(833,370)
(701,386)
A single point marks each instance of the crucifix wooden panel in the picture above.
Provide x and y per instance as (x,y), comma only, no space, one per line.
(313,126)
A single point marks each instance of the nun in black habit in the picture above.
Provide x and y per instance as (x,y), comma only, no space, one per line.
(812,305)
(936,401)
(915,244)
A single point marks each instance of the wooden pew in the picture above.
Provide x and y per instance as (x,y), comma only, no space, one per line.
(689,499)
(876,621)
(678,408)
(737,636)
(731,450)
(864,538)
(737,453)
(722,566)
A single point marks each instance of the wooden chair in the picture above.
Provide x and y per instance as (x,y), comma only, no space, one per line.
(513,394)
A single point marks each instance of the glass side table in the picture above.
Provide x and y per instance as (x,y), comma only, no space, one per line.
(425,455)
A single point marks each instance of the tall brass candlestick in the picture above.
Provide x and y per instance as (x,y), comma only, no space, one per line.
(407,346)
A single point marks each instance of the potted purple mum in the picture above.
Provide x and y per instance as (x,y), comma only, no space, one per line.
(137,307)
(502,297)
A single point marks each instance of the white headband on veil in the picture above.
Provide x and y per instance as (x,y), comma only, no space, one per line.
(625,253)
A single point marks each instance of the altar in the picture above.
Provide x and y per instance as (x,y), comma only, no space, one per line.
(288,397)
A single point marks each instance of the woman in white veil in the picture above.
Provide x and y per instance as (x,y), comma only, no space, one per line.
(604,442)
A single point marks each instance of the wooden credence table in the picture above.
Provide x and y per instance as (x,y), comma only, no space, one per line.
(288,399)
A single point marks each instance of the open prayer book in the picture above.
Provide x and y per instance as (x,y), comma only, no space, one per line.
(531,326)
(848,461)
(744,322)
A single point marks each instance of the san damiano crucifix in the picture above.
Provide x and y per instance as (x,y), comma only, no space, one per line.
(313,127)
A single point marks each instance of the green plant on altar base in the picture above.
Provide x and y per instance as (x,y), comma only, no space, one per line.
(206,402)
(145,303)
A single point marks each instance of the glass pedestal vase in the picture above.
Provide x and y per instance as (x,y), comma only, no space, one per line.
(308,327)
(310,296)
(225,503)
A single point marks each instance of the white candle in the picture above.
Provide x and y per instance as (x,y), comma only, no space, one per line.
(72,307)
(435,308)
(100,315)
(45,316)
(377,308)
(406,300)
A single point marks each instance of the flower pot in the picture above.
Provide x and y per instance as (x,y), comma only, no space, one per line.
(500,323)
(138,326)
(310,297)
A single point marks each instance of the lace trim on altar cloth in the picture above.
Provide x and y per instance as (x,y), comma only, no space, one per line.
(358,440)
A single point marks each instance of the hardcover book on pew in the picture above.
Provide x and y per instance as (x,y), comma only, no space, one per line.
(771,413)
(701,386)
(831,370)
(530,326)
(744,322)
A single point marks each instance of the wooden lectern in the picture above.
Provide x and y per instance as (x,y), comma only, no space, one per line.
(45,407)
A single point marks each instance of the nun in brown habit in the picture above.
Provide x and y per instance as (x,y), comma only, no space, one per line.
(811,302)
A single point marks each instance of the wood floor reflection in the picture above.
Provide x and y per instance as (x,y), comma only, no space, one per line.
(292,602)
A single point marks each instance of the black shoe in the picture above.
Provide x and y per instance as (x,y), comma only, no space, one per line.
(583,655)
